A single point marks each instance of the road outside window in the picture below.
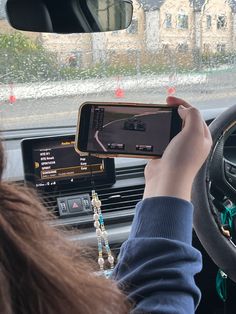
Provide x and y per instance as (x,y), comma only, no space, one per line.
(168,49)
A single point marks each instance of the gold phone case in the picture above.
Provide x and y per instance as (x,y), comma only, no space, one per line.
(109,155)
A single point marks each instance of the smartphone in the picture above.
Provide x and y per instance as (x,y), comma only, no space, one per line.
(125,129)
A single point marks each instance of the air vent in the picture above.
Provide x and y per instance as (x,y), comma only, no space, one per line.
(131,172)
(112,198)
(122,196)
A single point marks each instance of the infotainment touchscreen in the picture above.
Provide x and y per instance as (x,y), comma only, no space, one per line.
(52,161)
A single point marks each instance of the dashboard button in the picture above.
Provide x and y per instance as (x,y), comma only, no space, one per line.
(75,205)
(63,209)
(232,170)
(227,167)
(87,204)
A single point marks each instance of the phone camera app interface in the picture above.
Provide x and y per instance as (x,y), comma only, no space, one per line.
(136,130)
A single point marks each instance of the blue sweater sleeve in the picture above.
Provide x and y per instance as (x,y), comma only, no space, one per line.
(157,263)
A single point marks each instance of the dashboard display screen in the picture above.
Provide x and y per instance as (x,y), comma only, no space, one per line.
(53,161)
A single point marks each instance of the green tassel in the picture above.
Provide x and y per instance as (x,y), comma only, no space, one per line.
(221,285)
(227,217)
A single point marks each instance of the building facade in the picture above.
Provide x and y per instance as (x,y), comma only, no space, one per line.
(218,26)
(158,26)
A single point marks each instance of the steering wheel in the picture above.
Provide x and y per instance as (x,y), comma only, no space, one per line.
(216,172)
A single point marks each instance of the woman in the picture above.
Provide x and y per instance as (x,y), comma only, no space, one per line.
(157,264)
(41,272)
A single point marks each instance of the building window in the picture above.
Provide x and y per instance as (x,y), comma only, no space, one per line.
(208,21)
(133,28)
(221,48)
(221,22)
(182,48)
(168,21)
(182,21)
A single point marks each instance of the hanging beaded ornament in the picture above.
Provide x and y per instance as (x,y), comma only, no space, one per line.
(102,236)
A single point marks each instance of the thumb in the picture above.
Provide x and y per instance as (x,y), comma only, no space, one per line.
(182,112)
(192,120)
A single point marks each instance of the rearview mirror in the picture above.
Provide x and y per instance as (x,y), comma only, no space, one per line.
(69,16)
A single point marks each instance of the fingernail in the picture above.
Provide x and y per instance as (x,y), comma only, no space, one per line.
(181,107)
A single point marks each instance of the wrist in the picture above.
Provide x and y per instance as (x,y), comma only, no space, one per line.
(180,188)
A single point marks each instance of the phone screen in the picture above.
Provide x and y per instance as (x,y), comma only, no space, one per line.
(131,129)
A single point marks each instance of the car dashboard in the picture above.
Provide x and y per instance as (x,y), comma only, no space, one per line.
(118,203)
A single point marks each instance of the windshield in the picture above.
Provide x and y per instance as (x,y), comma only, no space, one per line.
(182,48)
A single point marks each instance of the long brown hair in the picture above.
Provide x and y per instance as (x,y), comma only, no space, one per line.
(41,271)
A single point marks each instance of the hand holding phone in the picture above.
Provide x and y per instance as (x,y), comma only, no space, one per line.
(173,174)
(126,129)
